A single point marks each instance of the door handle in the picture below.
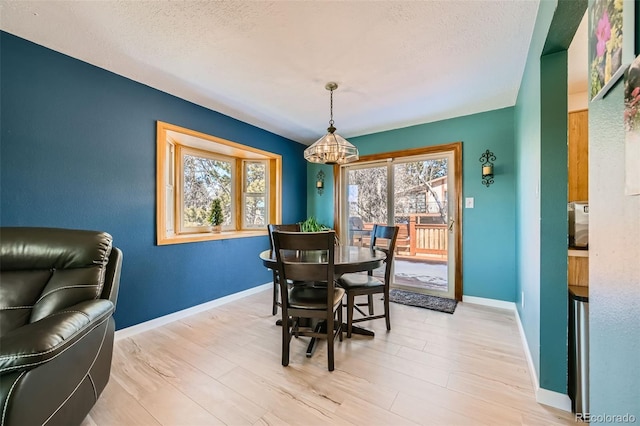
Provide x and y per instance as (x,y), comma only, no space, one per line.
(451,222)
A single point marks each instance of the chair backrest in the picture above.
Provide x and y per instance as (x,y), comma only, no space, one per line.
(45,270)
(305,256)
(287,227)
(390,235)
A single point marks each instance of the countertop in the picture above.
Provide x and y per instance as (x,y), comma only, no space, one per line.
(579,293)
(578,252)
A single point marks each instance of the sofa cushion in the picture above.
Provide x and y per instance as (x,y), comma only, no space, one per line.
(53,248)
(18,293)
(33,344)
(44,270)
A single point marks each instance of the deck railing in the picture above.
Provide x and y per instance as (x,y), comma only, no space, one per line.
(428,239)
(417,237)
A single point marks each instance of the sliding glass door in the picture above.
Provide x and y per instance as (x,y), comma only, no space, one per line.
(418,194)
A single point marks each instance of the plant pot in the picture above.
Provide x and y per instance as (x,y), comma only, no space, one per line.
(216,229)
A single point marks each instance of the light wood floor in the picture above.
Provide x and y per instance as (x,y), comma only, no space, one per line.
(223,366)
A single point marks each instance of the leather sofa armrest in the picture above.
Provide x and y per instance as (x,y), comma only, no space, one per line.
(112,276)
(36,343)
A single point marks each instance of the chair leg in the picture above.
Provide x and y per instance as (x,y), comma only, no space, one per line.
(330,342)
(286,340)
(340,322)
(370,303)
(350,303)
(386,311)
(274,309)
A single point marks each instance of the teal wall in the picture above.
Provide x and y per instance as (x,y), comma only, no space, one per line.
(541,158)
(553,222)
(488,256)
(614,262)
(527,159)
(320,205)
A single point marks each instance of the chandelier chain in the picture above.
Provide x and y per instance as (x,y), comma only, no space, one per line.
(331,148)
(331,109)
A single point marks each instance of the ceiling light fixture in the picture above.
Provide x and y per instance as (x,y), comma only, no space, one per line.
(331,148)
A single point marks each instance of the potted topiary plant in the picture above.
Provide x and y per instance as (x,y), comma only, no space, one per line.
(215,215)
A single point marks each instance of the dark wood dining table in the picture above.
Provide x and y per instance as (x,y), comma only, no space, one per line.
(348,259)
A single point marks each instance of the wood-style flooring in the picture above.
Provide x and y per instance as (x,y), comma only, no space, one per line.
(223,367)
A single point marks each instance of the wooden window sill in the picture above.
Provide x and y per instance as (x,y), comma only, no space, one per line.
(210,236)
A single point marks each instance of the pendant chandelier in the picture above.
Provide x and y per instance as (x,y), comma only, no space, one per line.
(331,148)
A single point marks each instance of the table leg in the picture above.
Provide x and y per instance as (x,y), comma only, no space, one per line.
(312,343)
(359,330)
(320,327)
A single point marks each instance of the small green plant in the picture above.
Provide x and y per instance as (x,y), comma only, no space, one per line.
(215,212)
(311,224)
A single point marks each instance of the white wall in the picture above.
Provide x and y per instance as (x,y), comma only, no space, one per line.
(614,265)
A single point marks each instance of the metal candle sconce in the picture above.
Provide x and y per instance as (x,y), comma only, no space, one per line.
(320,182)
(487,160)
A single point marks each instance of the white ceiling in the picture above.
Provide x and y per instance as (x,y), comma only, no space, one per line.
(266,62)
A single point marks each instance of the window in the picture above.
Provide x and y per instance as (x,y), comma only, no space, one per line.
(204,176)
(194,168)
(255,201)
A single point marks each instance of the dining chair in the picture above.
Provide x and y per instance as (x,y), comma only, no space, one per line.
(357,284)
(293,227)
(313,261)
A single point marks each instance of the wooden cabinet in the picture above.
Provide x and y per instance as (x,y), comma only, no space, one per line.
(578,156)
(578,164)
(579,268)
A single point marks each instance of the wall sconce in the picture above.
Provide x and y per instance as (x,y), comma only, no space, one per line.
(486,160)
(320,182)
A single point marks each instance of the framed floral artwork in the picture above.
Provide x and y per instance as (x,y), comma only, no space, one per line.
(632,129)
(611,43)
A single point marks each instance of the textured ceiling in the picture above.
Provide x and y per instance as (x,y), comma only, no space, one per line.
(266,63)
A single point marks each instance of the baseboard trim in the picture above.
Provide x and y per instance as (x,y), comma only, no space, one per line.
(554,399)
(543,396)
(175,316)
(527,353)
(489,302)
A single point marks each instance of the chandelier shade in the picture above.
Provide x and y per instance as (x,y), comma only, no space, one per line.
(331,148)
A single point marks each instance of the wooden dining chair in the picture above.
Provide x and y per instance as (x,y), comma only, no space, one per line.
(322,303)
(293,227)
(357,284)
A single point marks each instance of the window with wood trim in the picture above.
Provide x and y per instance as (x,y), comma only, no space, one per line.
(194,168)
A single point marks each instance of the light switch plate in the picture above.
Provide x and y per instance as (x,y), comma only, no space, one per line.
(468,203)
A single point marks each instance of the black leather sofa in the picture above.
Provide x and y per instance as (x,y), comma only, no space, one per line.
(58,292)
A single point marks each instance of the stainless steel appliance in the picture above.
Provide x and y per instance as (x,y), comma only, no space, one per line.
(578,224)
(579,349)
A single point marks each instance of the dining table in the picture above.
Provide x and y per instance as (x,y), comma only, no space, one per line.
(347,259)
